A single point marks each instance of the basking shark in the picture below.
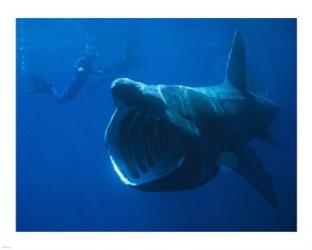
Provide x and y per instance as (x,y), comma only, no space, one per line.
(175,137)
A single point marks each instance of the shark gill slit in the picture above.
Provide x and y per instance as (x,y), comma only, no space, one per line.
(144,142)
(135,134)
(136,144)
(141,155)
(126,145)
(148,142)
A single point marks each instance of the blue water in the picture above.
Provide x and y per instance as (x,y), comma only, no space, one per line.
(65,181)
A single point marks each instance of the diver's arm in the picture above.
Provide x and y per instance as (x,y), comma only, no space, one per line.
(78,63)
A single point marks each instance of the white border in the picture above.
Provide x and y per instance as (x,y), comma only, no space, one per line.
(9,10)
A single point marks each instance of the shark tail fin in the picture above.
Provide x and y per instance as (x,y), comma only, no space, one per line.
(248,165)
(235,72)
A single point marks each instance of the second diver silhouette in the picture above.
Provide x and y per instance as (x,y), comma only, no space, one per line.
(125,64)
(83,68)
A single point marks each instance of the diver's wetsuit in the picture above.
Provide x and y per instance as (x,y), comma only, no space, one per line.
(126,63)
(83,68)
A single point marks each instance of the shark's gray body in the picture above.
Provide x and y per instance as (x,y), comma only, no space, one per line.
(174,137)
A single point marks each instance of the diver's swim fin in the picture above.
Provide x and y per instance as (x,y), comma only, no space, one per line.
(250,166)
(38,85)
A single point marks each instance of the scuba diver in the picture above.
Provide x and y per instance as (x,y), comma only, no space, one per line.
(83,68)
(125,64)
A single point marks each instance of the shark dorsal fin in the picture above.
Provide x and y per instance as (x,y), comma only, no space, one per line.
(235,72)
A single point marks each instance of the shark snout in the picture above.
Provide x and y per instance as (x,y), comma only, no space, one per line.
(125,91)
(132,94)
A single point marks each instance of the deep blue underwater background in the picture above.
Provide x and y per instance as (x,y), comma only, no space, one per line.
(65,181)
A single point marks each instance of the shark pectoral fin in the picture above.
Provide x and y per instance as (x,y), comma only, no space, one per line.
(268,138)
(227,159)
(251,168)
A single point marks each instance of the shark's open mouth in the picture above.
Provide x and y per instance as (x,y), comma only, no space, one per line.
(142,147)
